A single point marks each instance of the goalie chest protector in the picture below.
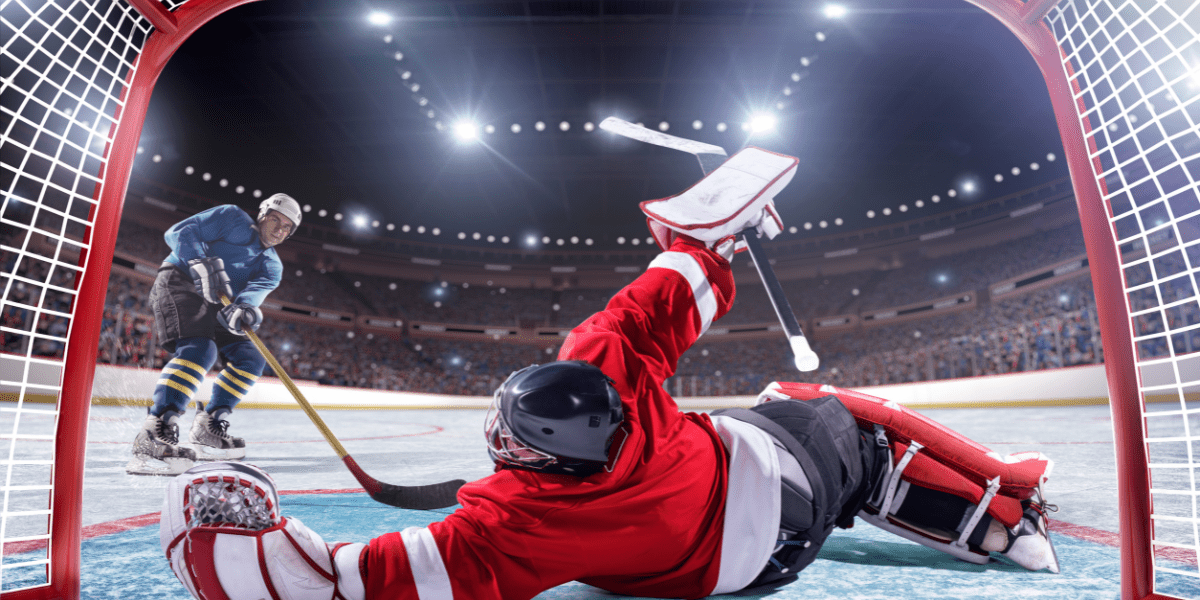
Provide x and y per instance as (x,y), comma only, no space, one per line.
(824,439)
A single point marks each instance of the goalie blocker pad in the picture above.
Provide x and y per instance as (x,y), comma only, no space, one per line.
(733,197)
(933,456)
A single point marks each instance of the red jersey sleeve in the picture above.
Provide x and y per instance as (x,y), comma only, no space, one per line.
(651,525)
(650,323)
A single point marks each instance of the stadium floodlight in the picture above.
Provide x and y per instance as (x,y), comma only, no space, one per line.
(380,18)
(762,123)
(834,11)
(531,241)
(465,131)
(360,221)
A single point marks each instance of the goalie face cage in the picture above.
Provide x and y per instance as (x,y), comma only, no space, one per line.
(76,80)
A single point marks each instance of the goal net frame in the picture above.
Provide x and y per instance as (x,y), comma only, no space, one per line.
(1124,80)
(77,79)
(91,65)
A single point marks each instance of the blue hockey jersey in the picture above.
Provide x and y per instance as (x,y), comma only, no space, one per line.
(229,233)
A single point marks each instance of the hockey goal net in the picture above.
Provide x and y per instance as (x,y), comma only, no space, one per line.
(75,80)
(1124,78)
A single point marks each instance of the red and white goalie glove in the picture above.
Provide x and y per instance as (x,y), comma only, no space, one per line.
(225,540)
(736,196)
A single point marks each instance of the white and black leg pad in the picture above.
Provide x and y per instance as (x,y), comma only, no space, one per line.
(737,195)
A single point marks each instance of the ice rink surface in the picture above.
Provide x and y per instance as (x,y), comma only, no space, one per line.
(122,559)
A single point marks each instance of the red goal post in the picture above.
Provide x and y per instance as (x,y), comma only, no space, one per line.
(1124,80)
(76,80)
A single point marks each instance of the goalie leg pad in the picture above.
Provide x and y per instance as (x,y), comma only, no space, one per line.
(947,460)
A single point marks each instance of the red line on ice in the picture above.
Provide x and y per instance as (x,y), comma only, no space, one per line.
(1082,532)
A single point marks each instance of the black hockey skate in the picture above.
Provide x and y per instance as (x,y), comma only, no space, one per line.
(210,439)
(156,449)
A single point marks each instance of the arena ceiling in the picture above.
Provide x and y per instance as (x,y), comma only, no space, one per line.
(894,103)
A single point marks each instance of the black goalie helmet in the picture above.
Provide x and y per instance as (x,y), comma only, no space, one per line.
(558,417)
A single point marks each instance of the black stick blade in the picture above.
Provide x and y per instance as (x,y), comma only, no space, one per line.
(419,497)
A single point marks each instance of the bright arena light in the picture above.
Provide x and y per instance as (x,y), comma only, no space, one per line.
(762,123)
(465,131)
(834,11)
(379,17)
(359,221)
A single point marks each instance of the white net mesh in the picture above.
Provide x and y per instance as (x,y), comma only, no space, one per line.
(63,71)
(1135,69)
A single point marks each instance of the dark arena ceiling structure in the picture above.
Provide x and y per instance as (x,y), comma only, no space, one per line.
(897,109)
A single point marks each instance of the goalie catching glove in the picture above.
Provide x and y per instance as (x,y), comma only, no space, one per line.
(238,317)
(210,278)
(224,538)
(736,196)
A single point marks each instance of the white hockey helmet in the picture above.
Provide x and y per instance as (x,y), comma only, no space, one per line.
(284,205)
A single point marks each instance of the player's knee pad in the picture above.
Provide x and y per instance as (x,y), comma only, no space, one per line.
(223,536)
(245,357)
(182,375)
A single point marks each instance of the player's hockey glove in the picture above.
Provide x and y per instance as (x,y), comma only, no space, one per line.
(237,318)
(208,274)
(736,196)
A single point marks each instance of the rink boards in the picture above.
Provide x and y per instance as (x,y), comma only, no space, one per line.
(133,386)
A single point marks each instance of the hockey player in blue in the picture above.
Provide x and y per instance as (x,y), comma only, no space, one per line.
(218,252)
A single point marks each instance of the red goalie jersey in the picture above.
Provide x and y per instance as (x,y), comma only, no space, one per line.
(653,524)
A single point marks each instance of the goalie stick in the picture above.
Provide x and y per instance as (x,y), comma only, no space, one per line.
(416,497)
(711,157)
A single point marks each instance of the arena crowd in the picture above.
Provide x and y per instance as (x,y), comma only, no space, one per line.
(1048,328)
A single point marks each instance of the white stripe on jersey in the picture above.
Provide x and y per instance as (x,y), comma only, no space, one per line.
(428,571)
(687,265)
(752,503)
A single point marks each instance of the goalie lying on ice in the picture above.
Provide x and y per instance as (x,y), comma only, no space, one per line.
(600,478)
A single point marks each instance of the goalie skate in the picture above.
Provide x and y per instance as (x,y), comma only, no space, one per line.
(156,450)
(210,440)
